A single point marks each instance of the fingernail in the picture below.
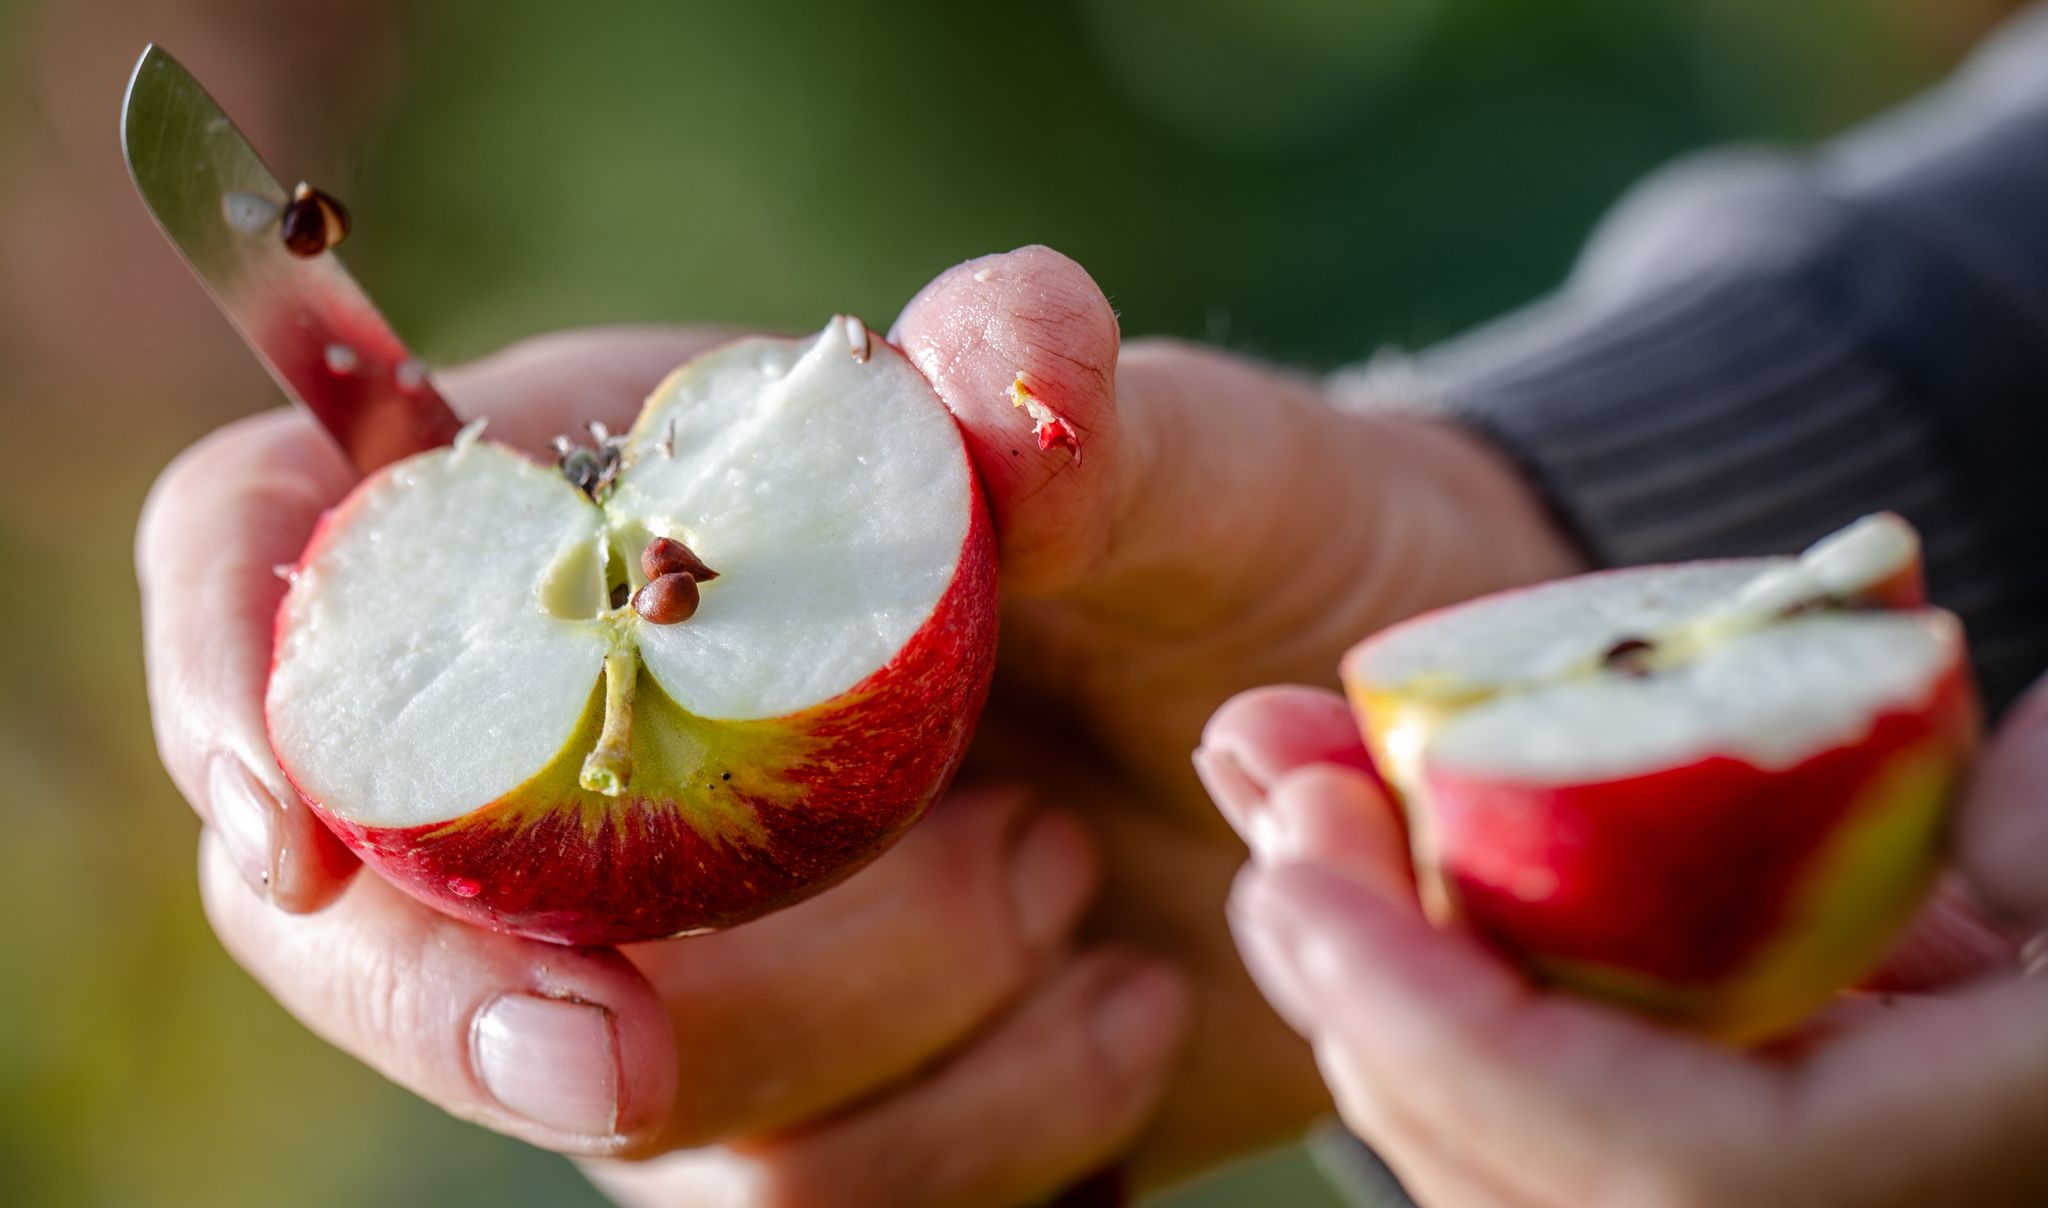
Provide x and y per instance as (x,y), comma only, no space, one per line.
(1051,868)
(553,1061)
(1247,805)
(1139,1018)
(245,816)
(1238,797)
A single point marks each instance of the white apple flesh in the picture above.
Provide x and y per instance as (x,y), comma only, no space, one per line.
(464,691)
(1715,790)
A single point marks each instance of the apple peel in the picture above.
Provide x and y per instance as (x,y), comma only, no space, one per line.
(1051,428)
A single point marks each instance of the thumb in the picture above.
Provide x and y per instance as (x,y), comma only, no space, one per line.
(1022,347)
(2002,832)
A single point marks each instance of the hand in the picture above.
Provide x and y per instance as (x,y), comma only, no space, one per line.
(898,1039)
(1479,1088)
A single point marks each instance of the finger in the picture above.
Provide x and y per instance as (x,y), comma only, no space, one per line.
(1950,941)
(219,521)
(1338,818)
(2002,832)
(1238,797)
(1051,1092)
(1272,731)
(1586,1103)
(1029,319)
(242,502)
(1981,1055)
(1329,815)
(802,1011)
(1260,737)
(1427,1174)
(566,1048)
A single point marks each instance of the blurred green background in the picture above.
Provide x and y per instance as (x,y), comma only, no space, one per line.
(1301,179)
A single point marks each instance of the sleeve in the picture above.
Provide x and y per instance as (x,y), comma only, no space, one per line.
(1755,349)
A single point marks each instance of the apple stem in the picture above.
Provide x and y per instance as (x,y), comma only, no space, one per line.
(609,766)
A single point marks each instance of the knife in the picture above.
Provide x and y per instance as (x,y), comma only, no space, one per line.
(302,315)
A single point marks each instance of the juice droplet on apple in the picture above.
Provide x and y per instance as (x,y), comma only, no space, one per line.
(464,887)
(341,359)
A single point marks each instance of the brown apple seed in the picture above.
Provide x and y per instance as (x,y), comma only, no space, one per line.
(667,600)
(1630,656)
(667,556)
(312,222)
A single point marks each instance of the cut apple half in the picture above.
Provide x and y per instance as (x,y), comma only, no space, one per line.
(1715,790)
(471,685)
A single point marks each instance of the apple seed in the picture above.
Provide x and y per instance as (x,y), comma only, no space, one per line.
(313,222)
(667,556)
(1630,656)
(670,599)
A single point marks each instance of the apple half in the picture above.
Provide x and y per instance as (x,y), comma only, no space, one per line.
(464,688)
(1715,791)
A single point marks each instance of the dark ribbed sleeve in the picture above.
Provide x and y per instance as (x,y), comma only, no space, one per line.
(1756,349)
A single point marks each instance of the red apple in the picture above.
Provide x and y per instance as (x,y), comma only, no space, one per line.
(477,688)
(1715,791)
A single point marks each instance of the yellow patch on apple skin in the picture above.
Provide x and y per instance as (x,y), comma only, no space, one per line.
(1865,887)
(1860,893)
(670,757)
(1397,728)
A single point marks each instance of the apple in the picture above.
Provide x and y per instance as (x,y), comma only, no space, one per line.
(669,683)
(1715,791)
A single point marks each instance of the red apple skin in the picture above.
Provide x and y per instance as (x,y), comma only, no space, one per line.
(1674,889)
(813,796)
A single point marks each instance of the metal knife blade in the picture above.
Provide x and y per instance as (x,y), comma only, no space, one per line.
(304,317)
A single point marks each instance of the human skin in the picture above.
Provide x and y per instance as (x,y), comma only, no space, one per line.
(1479,1088)
(1052,934)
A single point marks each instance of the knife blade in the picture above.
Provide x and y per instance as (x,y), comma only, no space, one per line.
(304,317)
